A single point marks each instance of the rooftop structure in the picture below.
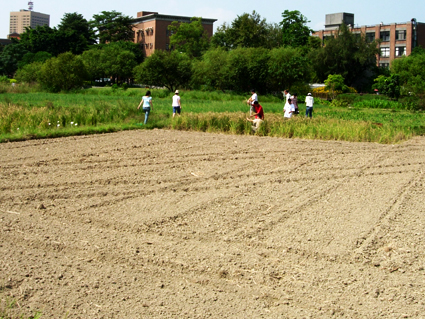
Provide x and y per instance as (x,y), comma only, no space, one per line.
(27,18)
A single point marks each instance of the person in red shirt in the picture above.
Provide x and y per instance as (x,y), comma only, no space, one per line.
(259,116)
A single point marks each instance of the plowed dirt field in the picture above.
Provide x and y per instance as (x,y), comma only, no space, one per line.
(170,224)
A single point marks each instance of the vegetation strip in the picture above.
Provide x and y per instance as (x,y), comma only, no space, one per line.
(26,116)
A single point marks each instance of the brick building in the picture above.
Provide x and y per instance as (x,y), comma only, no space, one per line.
(397,39)
(150,30)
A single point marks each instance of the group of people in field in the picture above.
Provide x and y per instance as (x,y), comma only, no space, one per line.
(256,112)
(147,105)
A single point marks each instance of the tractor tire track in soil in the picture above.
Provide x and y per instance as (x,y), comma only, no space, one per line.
(161,224)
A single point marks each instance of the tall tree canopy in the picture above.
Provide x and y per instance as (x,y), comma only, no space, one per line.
(44,38)
(412,71)
(112,26)
(114,60)
(169,69)
(247,30)
(77,31)
(10,57)
(349,55)
(191,38)
(295,31)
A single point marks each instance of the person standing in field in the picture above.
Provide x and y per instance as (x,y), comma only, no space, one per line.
(309,101)
(177,107)
(258,116)
(287,96)
(251,100)
(147,105)
(289,109)
(295,102)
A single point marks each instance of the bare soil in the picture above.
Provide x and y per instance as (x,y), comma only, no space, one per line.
(163,224)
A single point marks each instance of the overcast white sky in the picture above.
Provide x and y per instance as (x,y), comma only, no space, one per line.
(366,12)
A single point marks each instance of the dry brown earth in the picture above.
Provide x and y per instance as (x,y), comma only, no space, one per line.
(162,224)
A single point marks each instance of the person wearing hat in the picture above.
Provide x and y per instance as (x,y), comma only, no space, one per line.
(251,101)
(177,107)
(309,101)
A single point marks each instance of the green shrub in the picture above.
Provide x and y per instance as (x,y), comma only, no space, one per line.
(63,73)
(29,73)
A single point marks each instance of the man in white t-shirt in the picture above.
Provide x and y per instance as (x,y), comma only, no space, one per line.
(309,101)
(177,107)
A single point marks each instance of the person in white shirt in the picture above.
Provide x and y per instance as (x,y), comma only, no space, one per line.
(287,96)
(309,101)
(289,109)
(177,107)
(251,101)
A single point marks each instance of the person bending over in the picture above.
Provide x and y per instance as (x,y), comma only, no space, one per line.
(258,116)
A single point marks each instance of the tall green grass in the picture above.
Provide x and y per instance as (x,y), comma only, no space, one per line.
(297,127)
(40,115)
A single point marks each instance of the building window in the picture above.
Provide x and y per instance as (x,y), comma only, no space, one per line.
(370,36)
(384,65)
(400,51)
(385,36)
(167,46)
(385,52)
(400,35)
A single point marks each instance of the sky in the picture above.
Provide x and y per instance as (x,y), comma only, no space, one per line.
(366,12)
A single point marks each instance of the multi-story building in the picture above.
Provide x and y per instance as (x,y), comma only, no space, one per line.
(151,30)
(396,39)
(27,18)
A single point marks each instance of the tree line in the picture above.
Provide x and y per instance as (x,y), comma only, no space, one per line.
(247,53)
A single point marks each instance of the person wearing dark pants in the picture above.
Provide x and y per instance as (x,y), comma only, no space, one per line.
(309,101)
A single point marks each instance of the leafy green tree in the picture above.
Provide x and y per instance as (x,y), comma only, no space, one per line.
(286,67)
(388,85)
(190,38)
(112,26)
(111,60)
(349,55)
(117,63)
(44,38)
(334,83)
(274,36)
(92,60)
(166,69)
(295,31)
(77,31)
(63,73)
(213,70)
(247,69)
(314,42)
(10,57)
(411,71)
(247,30)
(30,57)
(29,73)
